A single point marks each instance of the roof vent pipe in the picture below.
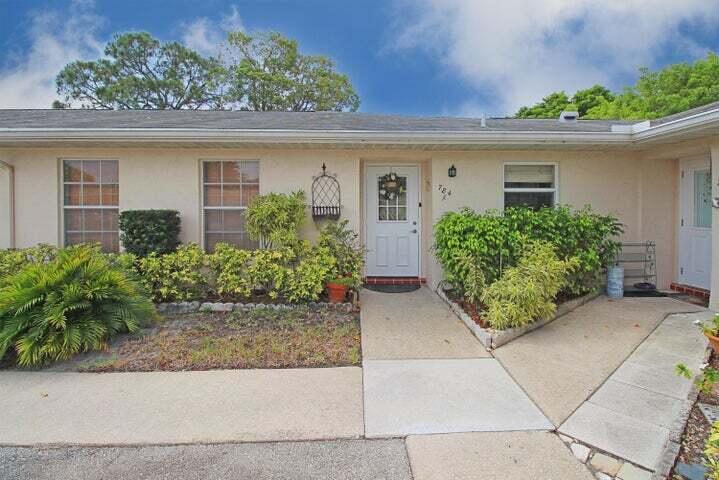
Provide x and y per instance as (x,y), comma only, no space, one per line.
(569,116)
(483,122)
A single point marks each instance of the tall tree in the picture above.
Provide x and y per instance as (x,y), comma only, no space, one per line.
(554,103)
(267,72)
(140,72)
(674,89)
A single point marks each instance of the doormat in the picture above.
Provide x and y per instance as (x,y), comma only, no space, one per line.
(392,288)
(644,293)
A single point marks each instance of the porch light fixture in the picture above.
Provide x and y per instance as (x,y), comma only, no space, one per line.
(452,172)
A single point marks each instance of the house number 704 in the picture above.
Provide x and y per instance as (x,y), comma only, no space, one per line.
(446,192)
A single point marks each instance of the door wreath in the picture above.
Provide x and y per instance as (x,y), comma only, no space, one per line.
(390,186)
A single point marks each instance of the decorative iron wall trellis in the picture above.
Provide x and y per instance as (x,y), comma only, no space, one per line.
(326,198)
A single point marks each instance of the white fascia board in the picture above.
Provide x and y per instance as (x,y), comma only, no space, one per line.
(697,122)
(310,136)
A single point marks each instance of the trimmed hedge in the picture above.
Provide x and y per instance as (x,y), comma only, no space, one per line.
(150,231)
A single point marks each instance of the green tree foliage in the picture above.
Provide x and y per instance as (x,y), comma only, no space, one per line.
(141,72)
(674,89)
(267,72)
(73,303)
(554,103)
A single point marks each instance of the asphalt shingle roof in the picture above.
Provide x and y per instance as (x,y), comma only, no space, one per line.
(307,121)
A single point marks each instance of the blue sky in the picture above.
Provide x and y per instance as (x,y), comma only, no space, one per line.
(439,57)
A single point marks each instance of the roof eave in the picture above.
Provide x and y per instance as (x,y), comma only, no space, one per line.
(309,137)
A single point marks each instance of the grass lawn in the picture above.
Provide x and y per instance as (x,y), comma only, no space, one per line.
(261,338)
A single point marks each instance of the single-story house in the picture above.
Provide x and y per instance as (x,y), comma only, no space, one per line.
(65,175)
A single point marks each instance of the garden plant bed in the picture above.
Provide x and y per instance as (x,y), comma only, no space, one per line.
(492,338)
(697,429)
(262,337)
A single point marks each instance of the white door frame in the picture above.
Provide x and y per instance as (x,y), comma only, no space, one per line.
(370,204)
(686,210)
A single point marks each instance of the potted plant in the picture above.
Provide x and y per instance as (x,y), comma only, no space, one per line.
(711,330)
(342,244)
(337,288)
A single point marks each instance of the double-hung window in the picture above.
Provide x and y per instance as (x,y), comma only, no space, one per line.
(228,188)
(90,207)
(530,185)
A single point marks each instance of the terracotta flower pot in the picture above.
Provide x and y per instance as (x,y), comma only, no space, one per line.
(337,292)
(713,341)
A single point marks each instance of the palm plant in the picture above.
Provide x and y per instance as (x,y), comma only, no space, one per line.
(75,303)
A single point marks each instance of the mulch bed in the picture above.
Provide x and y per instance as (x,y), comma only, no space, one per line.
(259,338)
(697,429)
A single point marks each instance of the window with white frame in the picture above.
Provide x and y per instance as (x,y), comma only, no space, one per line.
(228,188)
(530,185)
(90,202)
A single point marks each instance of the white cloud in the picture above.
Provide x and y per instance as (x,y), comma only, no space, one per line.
(206,36)
(55,39)
(516,51)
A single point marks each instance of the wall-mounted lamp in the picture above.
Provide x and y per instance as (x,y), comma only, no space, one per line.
(452,172)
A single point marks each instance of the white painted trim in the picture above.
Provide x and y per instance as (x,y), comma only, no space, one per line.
(556,182)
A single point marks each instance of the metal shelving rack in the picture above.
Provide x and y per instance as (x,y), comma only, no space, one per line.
(639,260)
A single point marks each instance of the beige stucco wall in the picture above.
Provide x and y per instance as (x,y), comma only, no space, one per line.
(640,191)
(6,182)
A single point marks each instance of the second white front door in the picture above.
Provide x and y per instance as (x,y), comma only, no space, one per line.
(695,230)
(393,221)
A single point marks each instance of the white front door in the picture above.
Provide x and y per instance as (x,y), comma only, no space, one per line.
(393,227)
(695,230)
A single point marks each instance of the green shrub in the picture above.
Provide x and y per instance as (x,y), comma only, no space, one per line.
(150,231)
(526,292)
(176,276)
(74,303)
(473,275)
(495,241)
(307,280)
(274,219)
(295,274)
(12,261)
(342,244)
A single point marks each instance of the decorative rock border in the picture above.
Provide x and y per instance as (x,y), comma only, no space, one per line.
(492,338)
(177,308)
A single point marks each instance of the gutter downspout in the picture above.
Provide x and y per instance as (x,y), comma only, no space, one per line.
(11,173)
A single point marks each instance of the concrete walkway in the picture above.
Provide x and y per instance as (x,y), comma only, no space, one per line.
(561,364)
(413,325)
(634,414)
(180,407)
(425,373)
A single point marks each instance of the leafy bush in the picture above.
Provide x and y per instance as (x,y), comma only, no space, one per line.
(150,231)
(12,261)
(176,276)
(274,219)
(296,274)
(74,303)
(473,275)
(495,241)
(342,244)
(307,280)
(525,293)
